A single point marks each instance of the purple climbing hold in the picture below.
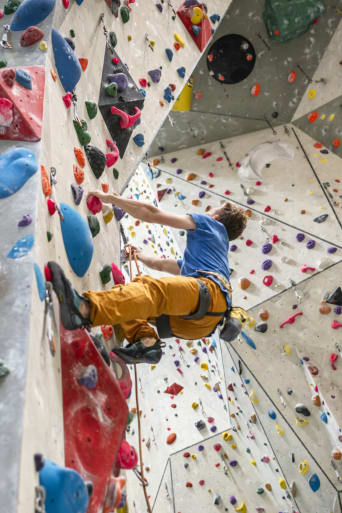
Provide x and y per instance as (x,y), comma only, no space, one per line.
(120,80)
(118,212)
(88,377)
(155,75)
(177,363)
(203,182)
(250,201)
(233,463)
(213,429)
(204,349)
(77,193)
(300,237)
(233,247)
(190,3)
(179,171)
(201,194)
(201,447)
(337,310)
(310,244)
(267,264)
(173,160)
(159,7)
(232,500)
(266,248)
(161,148)
(25,220)
(332,250)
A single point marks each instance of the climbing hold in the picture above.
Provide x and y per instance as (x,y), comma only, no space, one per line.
(107,213)
(282,483)
(77,240)
(118,212)
(23,78)
(139,140)
(255,91)
(40,282)
(4,371)
(94,225)
(31,12)
(242,508)
(302,409)
(181,71)
(31,36)
(312,117)
(179,39)
(168,94)
(279,429)
(324,309)
(124,14)
(11,6)
(244,283)
(105,274)
(118,277)
(321,219)
(16,167)
(88,377)
(169,54)
(82,132)
(120,79)
(266,264)
(68,67)
(83,62)
(291,319)
(307,268)
(253,397)
(335,298)
(316,400)
(268,280)
(25,221)
(268,487)
(248,340)
(70,42)
(336,454)
(49,236)
(155,75)
(96,159)
(303,467)
(171,438)
(78,174)
(266,248)
(111,89)
(21,247)
(197,15)
(94,204)
(200,425)
(77,193)
(272,414)
(264,315)
(80,157)
(314,482)
(91,109)
(43,46)
(232,500)
(67,99)
(324,418)
(332,358)
(261,327)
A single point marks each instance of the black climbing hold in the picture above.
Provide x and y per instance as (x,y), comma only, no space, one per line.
(70,42)
(335,298)
(99,343)
(113,39)
(303,410)
(94,225)
(72,33)
(96,159)
(261,327)
(231,59)
(200,424)
(38,459)
(275,114)
(321,219)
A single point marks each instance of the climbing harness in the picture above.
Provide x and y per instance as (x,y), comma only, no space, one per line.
(4,41)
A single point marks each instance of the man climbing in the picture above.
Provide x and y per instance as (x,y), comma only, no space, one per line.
(188,305)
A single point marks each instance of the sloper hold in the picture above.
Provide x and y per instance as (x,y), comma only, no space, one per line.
(96,159)
(67,64)
(16,167)
(27,105)
(21,247)
(31,12)
(40,281)
(31,36)
(77,240)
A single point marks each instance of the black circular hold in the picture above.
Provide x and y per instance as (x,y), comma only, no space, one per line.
(231,59)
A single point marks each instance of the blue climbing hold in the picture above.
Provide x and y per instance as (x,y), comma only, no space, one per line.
(65,489)
(324,418)
(77,238)
(22,247)
(79,2)
(168,94)
(247,381)
(31,12)
(23,78)
(169,53)
(214,18)
(40,282)
(143,92)
(139,139)
(68,67)
(16,167)
(248,340)
(314,482)
(272,414)
(181,196)
(196,29)
(181,72)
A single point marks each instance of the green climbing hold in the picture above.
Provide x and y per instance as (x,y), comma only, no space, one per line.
(11,6)
(115,173)
(4,371)
(49,236)
(260,491)
(91,109)
(105,274)
(130,418)
(72,33)
(113,39)
(3,63)
(124,13)
(112,89)
(81,130)
(94,225)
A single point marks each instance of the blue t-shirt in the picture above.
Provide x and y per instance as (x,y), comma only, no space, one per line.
(207,249)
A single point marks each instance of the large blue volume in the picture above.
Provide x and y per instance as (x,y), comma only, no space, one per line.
(77,239)
(41,286)
(31,12)
(68,68)
(16,167)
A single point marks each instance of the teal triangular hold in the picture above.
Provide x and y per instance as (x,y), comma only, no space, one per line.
(40,282)
(68,67)
(31,12)
(77,238)
(22,247)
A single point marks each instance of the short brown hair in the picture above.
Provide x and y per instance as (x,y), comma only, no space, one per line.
(234,219)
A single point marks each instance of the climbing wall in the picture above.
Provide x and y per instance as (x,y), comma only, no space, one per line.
(45,128)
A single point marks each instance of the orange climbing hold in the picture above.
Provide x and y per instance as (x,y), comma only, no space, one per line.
(255,91)
(292,77)
(195,202)
(336,143)
(176,46)
(155,162)
(80,157)
(201,151)
(312,117)
(105,186)
(78,174)
(190,176)
(317,145)
(171,438)
(84,63)
(53,75)
(210,57)
(198,96)
(46,185)
(107,331)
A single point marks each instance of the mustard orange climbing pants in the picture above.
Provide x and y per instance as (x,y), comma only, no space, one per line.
(145,298)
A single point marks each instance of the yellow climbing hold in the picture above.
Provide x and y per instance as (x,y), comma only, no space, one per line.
(233,446)
(108,215)
(179,39)
(242,508)
(204,366)
(253,462)
(312,94)
(282,483)
(168,180)
(152,42)
(172,251)
(197,16)
(193,456)
(208,386)
(331,117)
(43,46)
(132,234)
(280,430)
(253,397)
(303,467)
(194,405)
(323,159)
(323,116)
(193,350)
(287,349)
(227,436)
(251,322)
(153,367)
(301,422)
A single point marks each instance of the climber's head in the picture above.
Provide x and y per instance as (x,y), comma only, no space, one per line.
(232,217)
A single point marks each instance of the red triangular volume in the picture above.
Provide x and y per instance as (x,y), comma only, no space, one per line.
(173,389)
(202,38)
(27,107)
(161,194)
(95,414)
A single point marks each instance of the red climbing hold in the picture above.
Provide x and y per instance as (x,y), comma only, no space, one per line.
(115,60)
(332,358)
(161,194)
(67,99)
(83,62)
(107,331)
(118,277)
(267,209)
(47,272)
(268,280)
(173,389)
(206,155)
(27,110)
(51,205)
(65,3)
(188,484)
(292,77)
(112,158)
(274,239)
(143,82)
(80,157)
(78,174)
(291,319)
(171,438)
(105,187)
(227,192)
(255,91)
(186,455)
(312,117)
(31,36)
(306,268)
(217,447)
(249,242)
(335,325)
(94,204)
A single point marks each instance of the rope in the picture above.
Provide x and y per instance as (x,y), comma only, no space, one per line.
(137,396)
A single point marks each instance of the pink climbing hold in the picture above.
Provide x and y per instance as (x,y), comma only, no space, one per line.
(275,239)
(118,277)
(112,157)
(67,99)
(267,209)
(94,204)
(291,319)
(332,358)
(335,325)
(143,82)
(206,155)
(211,175)
(306,268)
(65,3)
(249,242)
(219,159)
(127,457)
(227,192)
(115,60)
(268,280)
(111,145)
(51,205)
(127,120)
(6,112)
(47,272)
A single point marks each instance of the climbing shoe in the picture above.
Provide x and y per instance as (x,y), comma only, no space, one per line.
(69,299)
(139,353)
(233,323)
(335,298)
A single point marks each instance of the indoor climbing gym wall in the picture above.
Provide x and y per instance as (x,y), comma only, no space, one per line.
(184,105)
